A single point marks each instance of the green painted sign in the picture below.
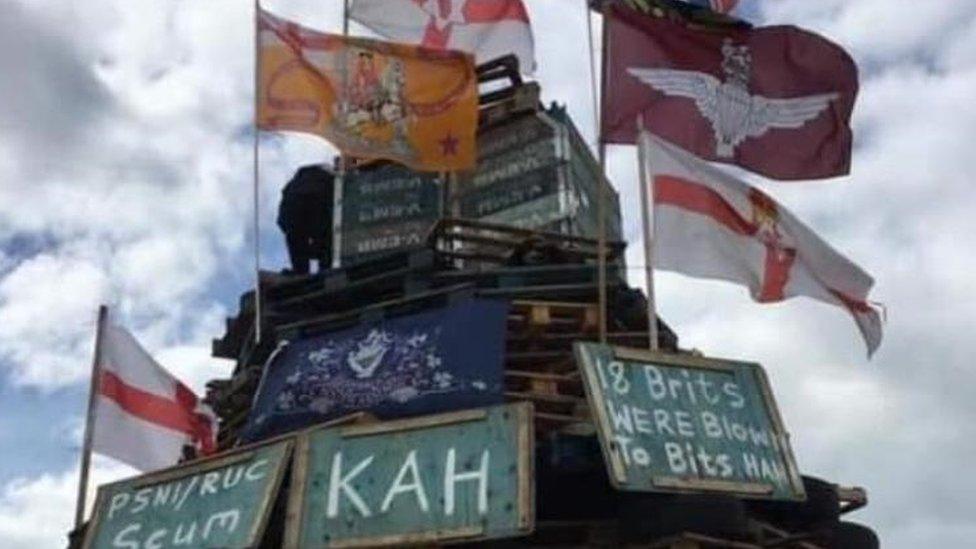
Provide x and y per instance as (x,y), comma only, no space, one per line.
(219,502)
(681,423)
(459,476)
(387,208)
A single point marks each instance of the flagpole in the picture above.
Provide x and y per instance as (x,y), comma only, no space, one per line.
(601,208)
(89,421)
(647,217)
(256,177)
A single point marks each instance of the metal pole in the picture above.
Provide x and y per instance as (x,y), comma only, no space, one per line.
(647,216)
(601,209)
(256,176)
(89,421)
(345,17)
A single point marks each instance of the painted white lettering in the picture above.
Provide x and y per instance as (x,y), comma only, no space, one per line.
(185,538)
(189,488)
(256,471)
(621,385)
(711,425)
(620,416)
(707,462)
(759,437)
(655,382)
(751,465)
(155,540)
(676,459)
(227,520)
(339,484)
(451,478)
(735,394)
(119,501)
(161,495)
(683,420)
(642,420)
(623,444)
(141,500)
(120,539)
(232,477)
(706,389)
(689,387)
(209,484)
(724,463)
(415,486)
(662,421)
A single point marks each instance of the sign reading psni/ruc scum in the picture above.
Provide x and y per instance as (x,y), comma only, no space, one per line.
(682,423)
(220,502)
(459,476)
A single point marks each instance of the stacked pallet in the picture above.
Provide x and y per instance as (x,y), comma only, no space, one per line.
(553,304)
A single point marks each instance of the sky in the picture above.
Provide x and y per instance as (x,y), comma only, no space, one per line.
(125,179)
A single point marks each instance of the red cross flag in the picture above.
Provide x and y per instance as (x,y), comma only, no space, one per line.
(486,28)
(142,415)
(709,224)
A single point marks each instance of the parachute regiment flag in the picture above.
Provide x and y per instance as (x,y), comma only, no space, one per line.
(142,415)
(709,224)
(371,99)
(774,100)
(486,28)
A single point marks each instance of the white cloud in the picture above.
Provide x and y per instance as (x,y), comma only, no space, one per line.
(39,512)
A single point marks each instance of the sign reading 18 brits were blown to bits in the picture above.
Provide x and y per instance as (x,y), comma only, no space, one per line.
(673,423)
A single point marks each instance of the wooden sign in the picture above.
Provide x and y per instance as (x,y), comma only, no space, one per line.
(459,476)
(681,423)
(219,502)
(387,208)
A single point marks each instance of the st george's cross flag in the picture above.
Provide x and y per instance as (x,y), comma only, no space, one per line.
(709,224)
(774,100)
(485,28)
(371,99)
(142,415)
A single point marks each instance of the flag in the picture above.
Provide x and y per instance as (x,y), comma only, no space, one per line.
(142,415)
(774,100)
(372,99)
(486,28)
(720,6)
(709,224)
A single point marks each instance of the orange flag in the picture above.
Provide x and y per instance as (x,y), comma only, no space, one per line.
(371,99)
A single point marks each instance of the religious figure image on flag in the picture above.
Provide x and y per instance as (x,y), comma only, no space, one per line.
(709,224)
(371,99)
(486,28)
(775,100)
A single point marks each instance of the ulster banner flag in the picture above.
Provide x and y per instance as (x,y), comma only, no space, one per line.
(142,415)
(486,28)
(371,99)
(774,100)
(711,225)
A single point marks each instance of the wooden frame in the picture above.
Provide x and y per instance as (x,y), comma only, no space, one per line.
(616,467)
(523,412)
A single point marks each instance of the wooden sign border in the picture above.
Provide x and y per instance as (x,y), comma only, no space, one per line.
(196,466)
(674,484)
(523,412)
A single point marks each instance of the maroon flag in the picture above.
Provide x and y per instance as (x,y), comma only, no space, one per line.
(775,100)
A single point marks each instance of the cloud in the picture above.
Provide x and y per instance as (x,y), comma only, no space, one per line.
(39,512)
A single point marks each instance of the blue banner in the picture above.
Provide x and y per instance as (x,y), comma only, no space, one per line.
(436,361)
